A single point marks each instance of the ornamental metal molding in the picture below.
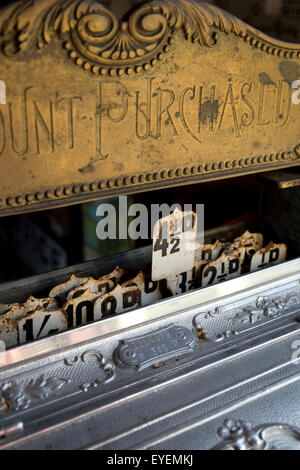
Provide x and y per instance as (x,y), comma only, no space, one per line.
(227,334)
(213,314)
(94,33)
(18,396)
(210,315)
(94,37)
(134,88)
(106,365)
(239,435)
(266,308)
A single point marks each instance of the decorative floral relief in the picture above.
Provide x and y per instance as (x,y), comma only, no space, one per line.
(226,335)
(213,314)
(106,365)
(239,435)
(97,35)
(206,315)
(266,308)
(18,396)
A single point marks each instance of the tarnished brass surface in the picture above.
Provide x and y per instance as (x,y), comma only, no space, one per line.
(178,92)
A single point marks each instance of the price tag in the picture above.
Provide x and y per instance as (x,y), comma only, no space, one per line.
(120,300)
(174,244)
(40,324)
(224,268)
(100,287)
(60,292)
(150,290)
(268,256)
(252,240)
(9,328)
(209,252)
(80,310)
(190,280)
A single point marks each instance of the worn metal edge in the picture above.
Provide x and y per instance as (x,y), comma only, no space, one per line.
(133,188)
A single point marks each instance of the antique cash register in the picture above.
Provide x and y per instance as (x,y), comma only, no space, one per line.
(112,353)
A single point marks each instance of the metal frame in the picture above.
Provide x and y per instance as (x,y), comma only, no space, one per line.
(164,310)
(76,391)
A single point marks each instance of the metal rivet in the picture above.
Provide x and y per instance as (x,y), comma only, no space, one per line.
(20,200)
(10,201)
(67,190)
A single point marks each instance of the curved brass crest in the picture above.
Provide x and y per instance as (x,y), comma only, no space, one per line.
(185,90)
(94,34)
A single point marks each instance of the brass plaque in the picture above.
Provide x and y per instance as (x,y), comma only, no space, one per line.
(178,91)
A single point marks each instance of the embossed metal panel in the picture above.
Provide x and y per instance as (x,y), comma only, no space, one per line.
(178,91)
(154,348)
(236,385)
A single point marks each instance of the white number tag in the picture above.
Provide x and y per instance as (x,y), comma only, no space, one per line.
(224,268)
(40,324)
(174,244)
(268,256)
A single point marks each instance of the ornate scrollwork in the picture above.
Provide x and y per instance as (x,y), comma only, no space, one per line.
(18,396)
(238,435)
(96,39)
(106,365)
(266,308)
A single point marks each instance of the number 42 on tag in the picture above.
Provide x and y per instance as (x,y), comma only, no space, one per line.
(174,245)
